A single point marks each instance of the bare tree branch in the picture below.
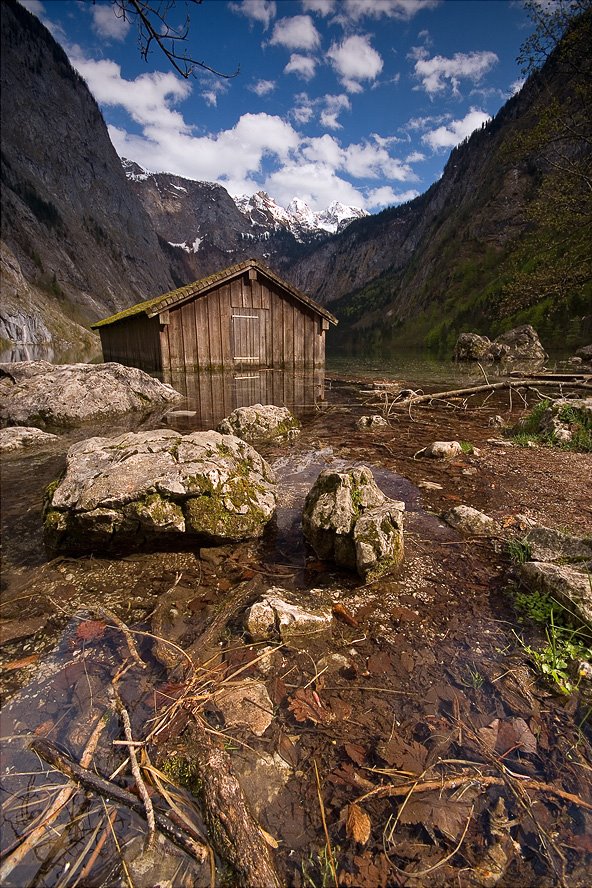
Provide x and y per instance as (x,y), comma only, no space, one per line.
(152,19)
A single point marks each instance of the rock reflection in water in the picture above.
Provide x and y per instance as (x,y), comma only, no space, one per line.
(211,396)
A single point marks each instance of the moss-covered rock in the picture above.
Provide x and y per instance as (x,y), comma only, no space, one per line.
(135,488)
(349,520)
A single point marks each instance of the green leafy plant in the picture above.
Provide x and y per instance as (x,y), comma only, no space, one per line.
(519,551)
(568,640)
(466,447)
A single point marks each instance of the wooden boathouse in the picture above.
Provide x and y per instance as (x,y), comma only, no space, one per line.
(242,317)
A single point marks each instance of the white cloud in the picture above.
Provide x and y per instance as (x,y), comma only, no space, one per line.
(262,87)
(397,9)
(231,157)
(354,60)
(323,7)
(456,130)
(304,109)
(367,161)
(147,99)
(303,66)
(263,11)
(386,197)
(316,183)
(516,86)
(415,157)
(434,73)
(108,22)
(297,32)
(324,150)
(334,105)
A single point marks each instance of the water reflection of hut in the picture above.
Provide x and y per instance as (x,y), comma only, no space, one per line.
(210,396)
(242,317)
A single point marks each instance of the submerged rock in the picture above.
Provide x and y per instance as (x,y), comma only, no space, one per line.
(140,487)
(245,703)
(278,614)
(441,450)
(18,437)
(45,395)
(375,421)
(336,504)
(260,422)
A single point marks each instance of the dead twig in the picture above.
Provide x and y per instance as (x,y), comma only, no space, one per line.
(131,748)
(119,624)
(36,835)
(105,788)
(325,830)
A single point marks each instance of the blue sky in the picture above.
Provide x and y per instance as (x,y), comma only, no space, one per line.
(358,101)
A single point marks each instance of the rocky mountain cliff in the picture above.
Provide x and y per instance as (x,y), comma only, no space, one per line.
(76,242)
(216,230)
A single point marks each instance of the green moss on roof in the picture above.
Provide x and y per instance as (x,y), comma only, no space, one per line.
(154,306)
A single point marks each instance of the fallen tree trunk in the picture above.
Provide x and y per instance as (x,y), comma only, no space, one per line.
(476,389)
(91,781)
(233,830)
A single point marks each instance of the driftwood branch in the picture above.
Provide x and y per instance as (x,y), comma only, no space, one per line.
(148,807)
(91,781)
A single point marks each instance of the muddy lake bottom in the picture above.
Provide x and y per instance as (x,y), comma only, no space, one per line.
(416,725)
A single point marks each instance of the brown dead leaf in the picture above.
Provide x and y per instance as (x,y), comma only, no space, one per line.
(306,705)
(19,664)
(379,663)
(356,753)
(90,630)
(435,811)
(357,824)
(43,729)
(287,750)
(341,709)
(506,734)
(343,613)
(406,756)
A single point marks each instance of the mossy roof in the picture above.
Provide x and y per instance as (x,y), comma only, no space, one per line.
(152,307)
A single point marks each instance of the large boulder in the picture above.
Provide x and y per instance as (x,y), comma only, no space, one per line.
(145,486)
(520,345)
(47,395)
(472,347)
(260,422)
(340,501)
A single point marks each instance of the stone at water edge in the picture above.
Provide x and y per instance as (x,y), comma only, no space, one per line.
(375,421)
(139,487)
(35,393)
(441,450)
(569,584)
(548,544)
(260,422)
(19,437)
(470,521)
(335,505)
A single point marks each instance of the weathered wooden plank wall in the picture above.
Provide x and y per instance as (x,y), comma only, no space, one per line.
(134,342)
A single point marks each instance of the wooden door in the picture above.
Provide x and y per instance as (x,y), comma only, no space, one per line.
(248,337)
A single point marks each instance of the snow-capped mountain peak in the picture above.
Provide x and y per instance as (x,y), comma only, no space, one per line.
(297,217)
